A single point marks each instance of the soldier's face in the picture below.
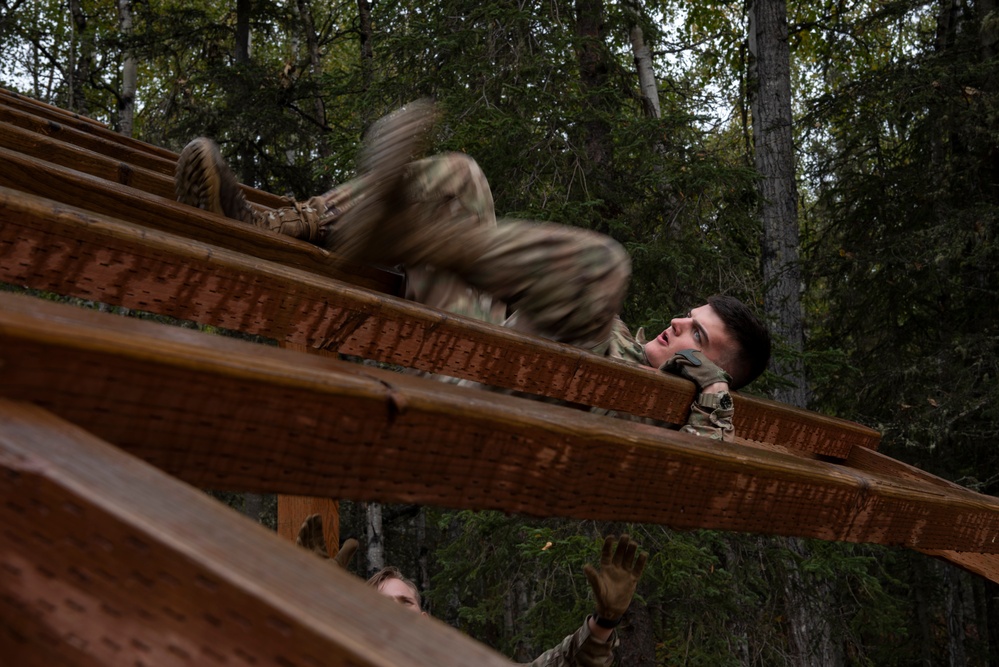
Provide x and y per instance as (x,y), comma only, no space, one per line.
(701,329)
(401,593)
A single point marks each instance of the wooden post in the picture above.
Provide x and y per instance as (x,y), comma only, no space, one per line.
(293,510)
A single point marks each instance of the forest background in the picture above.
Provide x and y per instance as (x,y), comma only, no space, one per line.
(647,121)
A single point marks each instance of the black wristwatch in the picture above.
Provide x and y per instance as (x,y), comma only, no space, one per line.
(607,624)
(721,400)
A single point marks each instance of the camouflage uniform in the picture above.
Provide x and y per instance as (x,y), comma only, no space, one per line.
(560,282)
(579,649)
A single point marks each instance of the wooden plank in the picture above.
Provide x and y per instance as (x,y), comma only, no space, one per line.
(30,104)
(87,161)
(227,414)
(103,145)
(982,564)
(108,561)
(63,144)
(28,175)
(76,121)
(74,252)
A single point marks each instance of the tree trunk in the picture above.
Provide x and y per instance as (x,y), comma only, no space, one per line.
(954,606)
(594,74)
(315,68)
(769,87)
(253,505)
(737,625)
(129,71)
(808,609)
(638,640)
(367,48)
(770,91)
(376,546)
(80,59)
(643,65)
(923,582)
(243,9)
(992,621)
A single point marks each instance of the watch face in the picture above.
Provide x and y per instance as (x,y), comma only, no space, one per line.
(726,401)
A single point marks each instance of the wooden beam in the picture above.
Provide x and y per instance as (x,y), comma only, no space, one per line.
(44,110)
(22,174)
(74,252)
(100,144)
(227,414)
(78,122)
(53,151)
(61,144)
(108,561)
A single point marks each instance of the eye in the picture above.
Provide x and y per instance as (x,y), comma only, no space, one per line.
(697,336)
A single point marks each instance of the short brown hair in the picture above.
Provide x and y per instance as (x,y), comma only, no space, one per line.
(751,337)
(392,572)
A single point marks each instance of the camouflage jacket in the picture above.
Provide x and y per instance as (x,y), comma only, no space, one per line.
(580,649)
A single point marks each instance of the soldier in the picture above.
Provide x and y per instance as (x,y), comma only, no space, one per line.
(435,217)
(592,645)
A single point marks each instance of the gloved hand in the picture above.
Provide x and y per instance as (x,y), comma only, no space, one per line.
(346,553)
(310,536)
(614,584)
(693,365)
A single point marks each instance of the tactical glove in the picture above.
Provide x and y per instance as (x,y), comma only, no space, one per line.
(310,536)
(346,553)
(693,365)
(614,584)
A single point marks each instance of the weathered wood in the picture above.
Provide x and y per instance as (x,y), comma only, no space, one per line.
(107,561)
(222,413)
(44,110)
(87,161)
(292,511)
(124,158)
(76,121)
(77,253)
(105,146)
(29,175)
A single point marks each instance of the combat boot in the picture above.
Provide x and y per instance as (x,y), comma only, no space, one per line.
(204,180)
(377,227)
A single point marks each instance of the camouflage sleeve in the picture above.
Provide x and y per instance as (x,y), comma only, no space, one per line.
(711,416)
(580,649)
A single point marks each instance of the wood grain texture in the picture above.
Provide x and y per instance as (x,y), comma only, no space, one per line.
(78,122)
(107,561)
(53,151)
(100,144)
(71,251)
(23,174)
(93,136)
(226,414)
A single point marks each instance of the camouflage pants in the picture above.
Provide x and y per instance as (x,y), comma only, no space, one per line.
(561,282)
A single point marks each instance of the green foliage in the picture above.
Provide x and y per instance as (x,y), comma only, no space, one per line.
(903,250)
(516,584)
